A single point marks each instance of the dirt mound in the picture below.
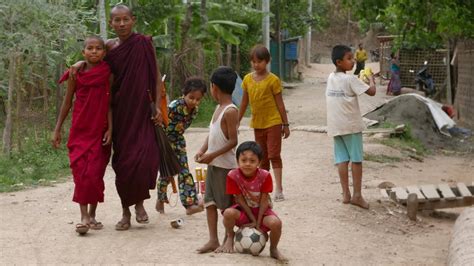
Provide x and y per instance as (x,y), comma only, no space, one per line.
(413,112)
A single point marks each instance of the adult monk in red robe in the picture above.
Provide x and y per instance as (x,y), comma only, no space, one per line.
(132,59)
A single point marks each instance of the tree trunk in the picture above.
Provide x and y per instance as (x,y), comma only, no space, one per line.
(202,56)
(237,58)
(16,122)
(7,131)
(171,31)
(102,19)
(59,95)
(44,87)
(220,60)
(228,59)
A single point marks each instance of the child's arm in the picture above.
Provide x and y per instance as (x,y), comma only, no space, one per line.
(285,131)
(263,207)
(65,107)
(107,139)
(231,117)
(372,89)
(239,199)
(243,104)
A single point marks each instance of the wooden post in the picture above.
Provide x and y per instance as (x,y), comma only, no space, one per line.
(449,97)
(412,206)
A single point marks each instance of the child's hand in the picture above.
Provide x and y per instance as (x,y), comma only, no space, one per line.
(107,139)
(206,158)
(56,140)
(198,156)
(251,225)
(285,132)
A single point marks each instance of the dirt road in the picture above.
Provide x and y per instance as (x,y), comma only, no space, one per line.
(37,225)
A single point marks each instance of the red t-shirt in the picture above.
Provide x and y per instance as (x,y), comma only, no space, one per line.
(250,188)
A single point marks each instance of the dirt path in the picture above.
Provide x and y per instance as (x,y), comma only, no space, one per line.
(38,224)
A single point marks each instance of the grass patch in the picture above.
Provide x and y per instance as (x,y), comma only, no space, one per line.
(37,164)
(206,109)
(405,141)
(381,158)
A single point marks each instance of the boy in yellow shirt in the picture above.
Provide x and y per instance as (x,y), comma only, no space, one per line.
(360,57)
(262,89)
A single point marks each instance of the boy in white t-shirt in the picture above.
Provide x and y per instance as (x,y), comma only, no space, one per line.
(344,122)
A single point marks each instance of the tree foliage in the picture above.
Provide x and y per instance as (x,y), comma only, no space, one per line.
(426,23)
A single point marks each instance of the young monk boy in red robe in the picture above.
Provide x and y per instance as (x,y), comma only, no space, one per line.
(91,130)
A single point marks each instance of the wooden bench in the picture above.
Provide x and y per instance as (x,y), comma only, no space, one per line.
(430,197)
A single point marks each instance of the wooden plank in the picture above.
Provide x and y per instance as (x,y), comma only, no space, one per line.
(446,192)
(463,190)
(414,189)
(442,204)
(430,192)
(401,193)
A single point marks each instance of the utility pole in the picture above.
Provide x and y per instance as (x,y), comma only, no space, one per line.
(266,23)
(308,35)
(278,36)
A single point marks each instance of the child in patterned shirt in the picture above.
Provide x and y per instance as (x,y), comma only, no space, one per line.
(181,114)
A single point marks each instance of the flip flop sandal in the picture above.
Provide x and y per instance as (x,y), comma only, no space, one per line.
(142,220)
(96,225)
(82,228)
(122,226)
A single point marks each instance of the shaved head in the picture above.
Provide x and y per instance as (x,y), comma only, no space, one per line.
(94,37)
(121,7)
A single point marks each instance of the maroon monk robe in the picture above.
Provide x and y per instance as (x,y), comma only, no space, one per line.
(87,155)
(135,157)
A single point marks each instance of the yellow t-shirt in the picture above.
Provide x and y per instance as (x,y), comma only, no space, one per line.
(360,55)
(262,102)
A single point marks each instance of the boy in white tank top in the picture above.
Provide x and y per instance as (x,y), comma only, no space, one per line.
(218,151)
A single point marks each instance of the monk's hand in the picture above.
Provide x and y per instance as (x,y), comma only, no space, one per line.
(56,139)
(75,68)
(158,117)
(107,139)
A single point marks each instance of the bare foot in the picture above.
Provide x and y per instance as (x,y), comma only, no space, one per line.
(208,247)
(359,201)
(346,198)
(227,247)
(160,206)
(275,253)
(194,209)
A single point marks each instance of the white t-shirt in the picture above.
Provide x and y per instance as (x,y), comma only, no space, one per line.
(343,112)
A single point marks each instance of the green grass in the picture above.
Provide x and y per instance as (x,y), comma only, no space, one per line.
(405,141)
(37,164)
(206,109)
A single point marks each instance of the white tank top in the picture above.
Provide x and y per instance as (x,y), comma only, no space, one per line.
(217,139)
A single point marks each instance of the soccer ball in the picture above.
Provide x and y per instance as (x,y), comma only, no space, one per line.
(249,240)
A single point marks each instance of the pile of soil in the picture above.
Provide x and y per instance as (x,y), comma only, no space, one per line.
(413,112)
